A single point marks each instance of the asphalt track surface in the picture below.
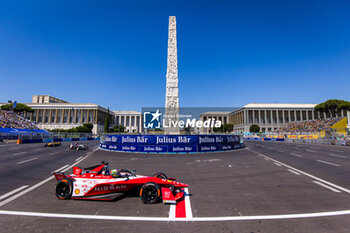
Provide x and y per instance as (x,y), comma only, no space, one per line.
(266,187)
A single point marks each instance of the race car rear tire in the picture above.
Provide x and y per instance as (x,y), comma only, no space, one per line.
(160,175)
(150,193)
(64,189)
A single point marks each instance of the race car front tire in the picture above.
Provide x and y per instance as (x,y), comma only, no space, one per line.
(64,189)
(150,193)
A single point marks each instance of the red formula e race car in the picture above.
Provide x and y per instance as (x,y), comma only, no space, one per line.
(98,183)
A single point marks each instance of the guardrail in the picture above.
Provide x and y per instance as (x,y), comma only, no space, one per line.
(264,139)
(320,141)
(338,142)
(21,141)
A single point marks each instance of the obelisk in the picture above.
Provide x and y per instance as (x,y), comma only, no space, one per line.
(172,83)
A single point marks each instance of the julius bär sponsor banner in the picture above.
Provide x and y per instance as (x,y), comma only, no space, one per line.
(227,147)
(151,139)
(208,148)
(171,139)
(172,143)
(156,149)
(182,149)
(130,148)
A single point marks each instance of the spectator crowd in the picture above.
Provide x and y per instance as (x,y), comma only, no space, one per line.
(11,120)
(309,126)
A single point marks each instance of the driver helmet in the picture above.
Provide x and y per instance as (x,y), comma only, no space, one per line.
(114,172)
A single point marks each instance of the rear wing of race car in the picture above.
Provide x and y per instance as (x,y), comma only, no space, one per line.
(60,176)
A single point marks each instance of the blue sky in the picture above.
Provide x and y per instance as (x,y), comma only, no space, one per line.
(230,53)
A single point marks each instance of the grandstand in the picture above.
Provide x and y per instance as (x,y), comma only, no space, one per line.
(9,119)
(331,128)
(309,126)
(13,126)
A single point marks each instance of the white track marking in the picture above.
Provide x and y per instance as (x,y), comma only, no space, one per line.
(61,168)
(165,219)
(40,183)
(79,158)
(338,151)
(305,173)
(53,153)
(300,156)
(207,160)
(25,191)
(15,148)
(296,173)
(13,191)
(172,211)
(278,164)
(188,204)
(327,187)
(333,164)
(338,156)
(20,153)
(38,149)
(188,208)
(28,160)
(313,151)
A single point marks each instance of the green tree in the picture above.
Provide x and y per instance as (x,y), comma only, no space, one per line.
(89,126)
(85,128)
(19,108)
(187,130)
(333,107)
(345,105)
(118,129)
(218,130)
(107,122)
(254,129)
(226,128)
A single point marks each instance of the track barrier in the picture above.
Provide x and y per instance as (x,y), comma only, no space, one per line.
(171,143)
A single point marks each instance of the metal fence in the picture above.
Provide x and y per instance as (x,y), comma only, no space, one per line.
(38,136)
(339,142)
(329,134)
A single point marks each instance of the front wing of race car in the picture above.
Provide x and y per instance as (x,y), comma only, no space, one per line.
(168,196)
